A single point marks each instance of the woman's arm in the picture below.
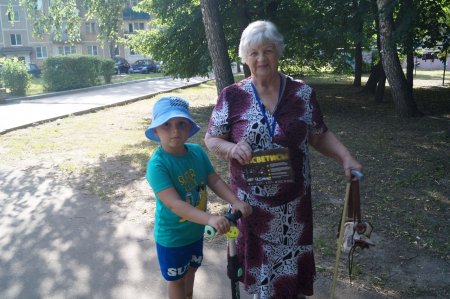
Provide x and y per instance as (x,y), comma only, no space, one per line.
(173,201)
(328,145)
(219,187)
(225,149)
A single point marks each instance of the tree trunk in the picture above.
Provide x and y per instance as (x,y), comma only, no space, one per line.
(377,79)
(379,92)
(402,95)
(409,8)
(445,67)
(359,25)
(272,7)
(358,65)
(371,84)
(244,20)
(112,48)
(410,68)
(217,44)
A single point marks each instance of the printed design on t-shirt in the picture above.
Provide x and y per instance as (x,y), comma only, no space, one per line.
(195,193)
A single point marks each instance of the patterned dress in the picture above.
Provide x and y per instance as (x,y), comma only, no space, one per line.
(275,241)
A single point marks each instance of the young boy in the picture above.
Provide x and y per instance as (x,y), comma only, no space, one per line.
(179,172)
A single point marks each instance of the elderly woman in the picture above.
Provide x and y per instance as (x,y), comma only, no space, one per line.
(263,126)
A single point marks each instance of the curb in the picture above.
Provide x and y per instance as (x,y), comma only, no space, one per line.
(58,93)
(90,110)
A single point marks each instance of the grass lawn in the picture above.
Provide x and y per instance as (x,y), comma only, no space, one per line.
(37,87)
(406,162)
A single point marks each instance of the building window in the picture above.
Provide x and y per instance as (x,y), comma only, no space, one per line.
(139,26)
(16,40)
(92,50)
(135,26)
(66,50)
(13,17)
(90,27)
(41,52)
(39,4)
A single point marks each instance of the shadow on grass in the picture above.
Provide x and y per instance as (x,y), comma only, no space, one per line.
(406,162)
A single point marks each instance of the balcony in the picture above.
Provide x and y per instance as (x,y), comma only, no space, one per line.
(130,14)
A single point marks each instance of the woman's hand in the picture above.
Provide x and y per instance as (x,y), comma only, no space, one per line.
(220,223)
(242,206)
(242,152)
(349,163)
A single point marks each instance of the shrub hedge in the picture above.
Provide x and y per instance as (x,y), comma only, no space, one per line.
(15,77)
(74,71)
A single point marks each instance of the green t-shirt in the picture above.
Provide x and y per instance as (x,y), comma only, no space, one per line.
(188,174)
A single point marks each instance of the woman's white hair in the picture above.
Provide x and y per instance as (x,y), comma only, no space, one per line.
(259,33)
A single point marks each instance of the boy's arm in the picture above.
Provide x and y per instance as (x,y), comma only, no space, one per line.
(218,186)
(174,202)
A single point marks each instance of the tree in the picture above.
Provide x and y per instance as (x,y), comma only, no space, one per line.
(404,103)
(360,13)
(433,26)
(108,15)
(217,44)
(62,20)
(177,37)
(377,78)
(244,20)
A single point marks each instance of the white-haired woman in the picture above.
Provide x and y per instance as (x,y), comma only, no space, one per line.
(263,125)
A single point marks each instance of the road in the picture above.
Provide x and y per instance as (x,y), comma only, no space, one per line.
(23,112)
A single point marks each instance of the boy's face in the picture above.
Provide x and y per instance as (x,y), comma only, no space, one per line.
(173,134)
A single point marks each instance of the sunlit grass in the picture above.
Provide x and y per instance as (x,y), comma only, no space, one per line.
(37,84)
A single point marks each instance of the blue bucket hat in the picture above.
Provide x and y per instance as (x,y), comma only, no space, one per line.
(166,108)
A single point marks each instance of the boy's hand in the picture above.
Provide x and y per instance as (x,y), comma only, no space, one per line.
(220,223)
(242,206)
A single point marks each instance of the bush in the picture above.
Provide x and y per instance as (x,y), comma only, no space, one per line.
(15,76)
(107,69)
(71,72)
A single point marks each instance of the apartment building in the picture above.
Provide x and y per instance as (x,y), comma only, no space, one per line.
(17,40)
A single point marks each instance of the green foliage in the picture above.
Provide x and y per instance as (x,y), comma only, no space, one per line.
(178,38)
(71,72)
(312,34)
(107,14)
(61,19)
(313,29)
(107,69)
(15,76)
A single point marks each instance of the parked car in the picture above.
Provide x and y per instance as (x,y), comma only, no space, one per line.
(143,66)
(34,70)
(121,65)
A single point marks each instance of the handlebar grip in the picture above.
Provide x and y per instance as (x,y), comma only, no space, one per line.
(357,174)
(232,218)
(210,231)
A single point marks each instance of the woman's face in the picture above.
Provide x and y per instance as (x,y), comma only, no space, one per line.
(263,60)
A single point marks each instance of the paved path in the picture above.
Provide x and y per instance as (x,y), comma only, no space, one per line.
(22,112)
(56,242)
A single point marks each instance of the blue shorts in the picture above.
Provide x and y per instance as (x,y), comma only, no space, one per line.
(175,261)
